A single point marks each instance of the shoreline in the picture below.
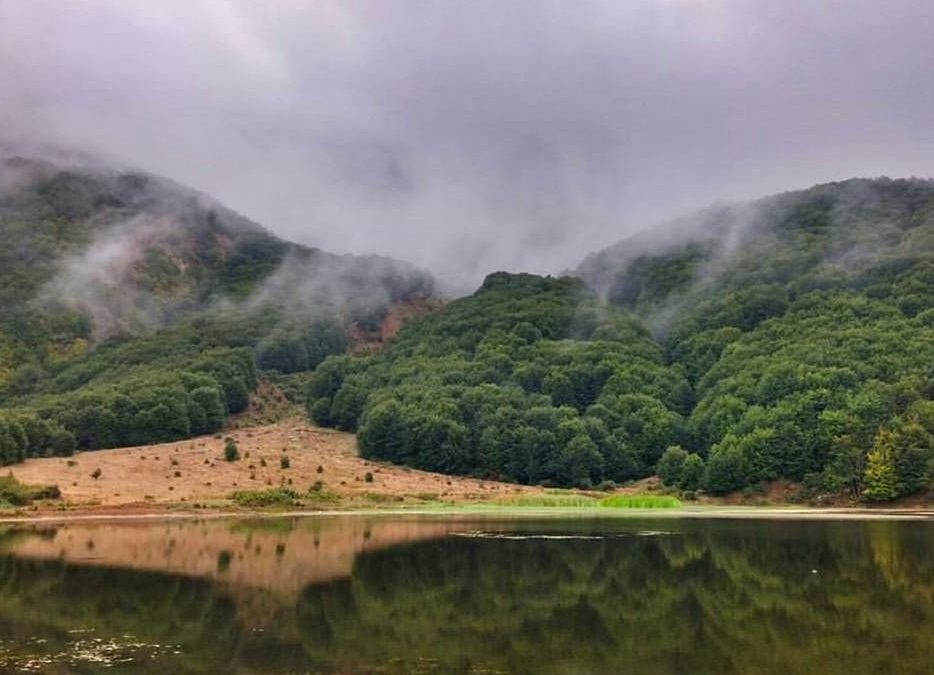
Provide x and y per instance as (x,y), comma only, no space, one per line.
(169,513)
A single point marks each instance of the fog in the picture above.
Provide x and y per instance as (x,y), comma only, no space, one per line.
(467,137)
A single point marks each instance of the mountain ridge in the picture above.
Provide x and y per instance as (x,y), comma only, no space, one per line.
(787,338)
(792,341)
(120,291)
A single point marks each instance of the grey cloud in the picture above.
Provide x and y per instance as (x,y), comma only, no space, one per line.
(472,136)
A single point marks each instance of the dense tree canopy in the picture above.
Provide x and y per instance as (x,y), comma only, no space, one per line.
(793,338)
(133,310)
(805,324)
(531,379)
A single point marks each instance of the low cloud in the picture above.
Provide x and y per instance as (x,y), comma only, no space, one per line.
(473,136)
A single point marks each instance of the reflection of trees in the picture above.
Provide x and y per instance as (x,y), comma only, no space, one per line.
(718,598)
(713,597)
(47,599)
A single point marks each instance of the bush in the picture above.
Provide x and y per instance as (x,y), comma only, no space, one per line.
(14,493)
(284,462)
(231,453)
(265,498)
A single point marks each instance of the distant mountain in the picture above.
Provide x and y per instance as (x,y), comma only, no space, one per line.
(832,236)
(103,270)
(132,250)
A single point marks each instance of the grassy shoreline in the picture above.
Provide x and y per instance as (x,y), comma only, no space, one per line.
(156,513)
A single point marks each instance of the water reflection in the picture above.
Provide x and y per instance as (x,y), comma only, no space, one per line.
(390,595)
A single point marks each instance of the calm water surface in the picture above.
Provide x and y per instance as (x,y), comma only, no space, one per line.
(406,594)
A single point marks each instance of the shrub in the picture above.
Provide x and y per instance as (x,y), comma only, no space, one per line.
(284,462)
(14,493)
(231,453)
(265,498)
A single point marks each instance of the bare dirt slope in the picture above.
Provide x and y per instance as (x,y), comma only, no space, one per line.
(194,471)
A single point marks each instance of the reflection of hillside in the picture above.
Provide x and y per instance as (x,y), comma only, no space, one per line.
(284,554)
(708,597)
(793,599)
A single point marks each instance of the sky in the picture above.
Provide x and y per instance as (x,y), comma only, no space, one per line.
(468,137)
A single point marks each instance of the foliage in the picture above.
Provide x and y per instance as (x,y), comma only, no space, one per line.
(231,453)
(265,498)
(530,380)
(640,502)
(692,473)
(788,338)
(803,323)
(14,493)
(136,311)
(670,465)
(788,334)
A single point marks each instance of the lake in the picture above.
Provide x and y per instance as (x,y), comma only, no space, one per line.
(468,594)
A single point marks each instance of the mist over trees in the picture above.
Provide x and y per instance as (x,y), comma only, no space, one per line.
(790,338)
(793,339)
(137,311)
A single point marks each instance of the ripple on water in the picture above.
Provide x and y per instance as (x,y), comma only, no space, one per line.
(481,534)
(36,655)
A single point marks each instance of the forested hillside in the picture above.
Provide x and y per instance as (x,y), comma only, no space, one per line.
(793,338)
(531,379)
(805,323)
(134,310)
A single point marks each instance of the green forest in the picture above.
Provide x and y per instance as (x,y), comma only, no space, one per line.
(135,311)
(788,338)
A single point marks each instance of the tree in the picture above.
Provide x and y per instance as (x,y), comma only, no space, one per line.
(236,394)
(725,467)
(210,400)
(692,473)
(880,479)
(383,433)
(670,464)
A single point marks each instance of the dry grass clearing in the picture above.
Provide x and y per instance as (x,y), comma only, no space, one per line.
(194,471)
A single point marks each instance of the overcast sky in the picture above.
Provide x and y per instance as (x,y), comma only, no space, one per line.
(473,135)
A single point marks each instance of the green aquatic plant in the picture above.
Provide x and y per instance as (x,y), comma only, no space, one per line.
(550,499)
(640,502)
